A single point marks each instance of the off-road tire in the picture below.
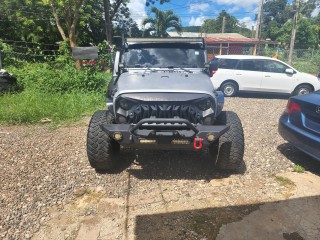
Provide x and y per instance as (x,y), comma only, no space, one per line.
(302,89)
(102,150)
(229,89)
(228,150)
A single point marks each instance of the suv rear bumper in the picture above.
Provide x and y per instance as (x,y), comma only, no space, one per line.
(165,133)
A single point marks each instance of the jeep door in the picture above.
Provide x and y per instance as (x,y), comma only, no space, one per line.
(275,78)
(248,74)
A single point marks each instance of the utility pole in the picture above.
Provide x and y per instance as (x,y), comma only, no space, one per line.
(107,20)
(258,27)
(222,31)
(294,30)
(223,24)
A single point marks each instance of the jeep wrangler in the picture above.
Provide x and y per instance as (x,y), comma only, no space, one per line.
(161,97)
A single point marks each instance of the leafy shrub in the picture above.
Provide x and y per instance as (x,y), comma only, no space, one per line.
(53,78)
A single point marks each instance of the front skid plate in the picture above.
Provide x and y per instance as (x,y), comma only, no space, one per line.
(171,137)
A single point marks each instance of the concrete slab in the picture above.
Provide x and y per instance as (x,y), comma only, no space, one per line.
(298,217)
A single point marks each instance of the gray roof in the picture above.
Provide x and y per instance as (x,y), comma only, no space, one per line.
(208,35)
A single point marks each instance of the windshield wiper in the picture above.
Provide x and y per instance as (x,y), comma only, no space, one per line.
(184,69)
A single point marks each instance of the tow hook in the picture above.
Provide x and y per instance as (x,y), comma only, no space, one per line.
(197,143)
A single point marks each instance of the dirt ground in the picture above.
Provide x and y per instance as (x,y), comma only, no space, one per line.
(49,191)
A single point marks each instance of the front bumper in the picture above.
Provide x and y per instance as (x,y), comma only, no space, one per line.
(303,140)
(165,133)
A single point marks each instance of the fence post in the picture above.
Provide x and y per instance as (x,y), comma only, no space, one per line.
(0,60)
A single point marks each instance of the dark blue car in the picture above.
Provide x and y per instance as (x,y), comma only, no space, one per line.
(300,123)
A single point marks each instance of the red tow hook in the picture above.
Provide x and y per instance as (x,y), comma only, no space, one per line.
(197,143)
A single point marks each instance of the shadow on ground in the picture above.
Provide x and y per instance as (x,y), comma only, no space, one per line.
(262,95)
(300,158)
(290,219)
(177,165)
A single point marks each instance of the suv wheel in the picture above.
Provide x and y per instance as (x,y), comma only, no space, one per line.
(229,89)
(302,89)
(102,150)
(228,150)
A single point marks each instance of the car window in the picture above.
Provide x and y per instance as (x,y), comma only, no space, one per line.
(164,57)
(273,66)
(249,65)
(227,63)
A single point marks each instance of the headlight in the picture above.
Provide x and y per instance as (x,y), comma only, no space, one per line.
(204,104)
(125,104)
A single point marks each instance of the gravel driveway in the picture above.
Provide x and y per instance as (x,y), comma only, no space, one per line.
(43,171)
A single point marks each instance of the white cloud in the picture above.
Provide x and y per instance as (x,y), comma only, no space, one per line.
(197,21)
(248,21)
(315,12)
(233,9)
(202,7)
(137,10)
(247,4)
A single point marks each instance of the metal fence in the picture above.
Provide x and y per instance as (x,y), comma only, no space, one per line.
(307,57)
(304,59)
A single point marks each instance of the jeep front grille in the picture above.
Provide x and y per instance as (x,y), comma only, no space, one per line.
(142,111)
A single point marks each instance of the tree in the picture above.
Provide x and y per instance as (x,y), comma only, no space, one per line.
(231,22)
(70,10)
(275,14)
(23,20)
(151,2)
(215,25)
(208,26)
(306,34)
(160,22)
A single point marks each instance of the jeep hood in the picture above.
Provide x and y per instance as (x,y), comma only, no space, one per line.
(169,81)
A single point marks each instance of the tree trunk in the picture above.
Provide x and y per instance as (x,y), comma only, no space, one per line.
(59,26)
(108,20)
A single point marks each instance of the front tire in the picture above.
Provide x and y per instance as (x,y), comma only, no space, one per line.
(229,89)
(102,150)
(228,150)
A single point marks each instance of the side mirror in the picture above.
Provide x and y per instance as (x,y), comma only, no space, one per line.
(117,41)
(213,67)
(289,71)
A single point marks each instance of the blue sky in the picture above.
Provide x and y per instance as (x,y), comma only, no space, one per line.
(194,12)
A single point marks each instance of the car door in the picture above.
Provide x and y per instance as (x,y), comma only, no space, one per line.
(275,79)
(248,74)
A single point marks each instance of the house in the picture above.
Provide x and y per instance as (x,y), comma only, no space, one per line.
(227,43)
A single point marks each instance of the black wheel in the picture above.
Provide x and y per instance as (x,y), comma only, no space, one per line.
(302,89)
(229,89)
(102,150)
(228,150)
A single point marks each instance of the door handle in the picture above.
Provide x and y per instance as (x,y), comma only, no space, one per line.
(267,76)
(238,74)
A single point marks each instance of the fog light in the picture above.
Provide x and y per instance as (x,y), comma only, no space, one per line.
(210,137)
(147,141)
(180,141)
(117,136)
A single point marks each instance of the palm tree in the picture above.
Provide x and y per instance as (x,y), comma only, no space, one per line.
(161,22)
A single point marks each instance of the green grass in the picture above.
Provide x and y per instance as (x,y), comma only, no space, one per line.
(298,169)
(30,107)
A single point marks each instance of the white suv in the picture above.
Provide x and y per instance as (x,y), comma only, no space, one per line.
(260,74)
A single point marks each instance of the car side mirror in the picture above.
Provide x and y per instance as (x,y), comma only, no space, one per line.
(213,67)
(289,71)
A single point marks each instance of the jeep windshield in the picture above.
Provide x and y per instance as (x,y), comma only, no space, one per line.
(164,57)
